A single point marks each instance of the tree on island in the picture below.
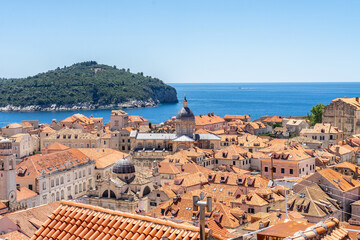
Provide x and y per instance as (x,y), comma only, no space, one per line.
(316,114)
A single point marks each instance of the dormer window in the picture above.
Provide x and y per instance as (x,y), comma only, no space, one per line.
(240,181)
(223,179)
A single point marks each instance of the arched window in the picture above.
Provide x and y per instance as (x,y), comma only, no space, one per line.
(146,191)
(84,187)
(57,196)
(62,194)
(80,187)
(76,189)
(112,194)
(105,194)
(11,164)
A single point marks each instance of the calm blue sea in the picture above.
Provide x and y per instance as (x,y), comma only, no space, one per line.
(256,99)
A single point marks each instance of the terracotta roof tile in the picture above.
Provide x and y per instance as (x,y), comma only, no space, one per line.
(327,230)
(124,225)
(103,157)
(208,119)
(39,164)
(31,219)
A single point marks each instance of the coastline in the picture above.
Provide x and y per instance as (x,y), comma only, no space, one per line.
(80,106)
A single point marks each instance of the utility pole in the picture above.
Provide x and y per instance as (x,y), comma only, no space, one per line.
(286,205)
(200,202)
(272,168)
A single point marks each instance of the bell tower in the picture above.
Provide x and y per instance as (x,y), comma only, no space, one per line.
(7,171)
(185,121)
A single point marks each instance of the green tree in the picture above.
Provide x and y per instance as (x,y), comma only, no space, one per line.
(316,114)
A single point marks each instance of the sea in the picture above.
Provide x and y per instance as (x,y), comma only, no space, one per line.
(256,99)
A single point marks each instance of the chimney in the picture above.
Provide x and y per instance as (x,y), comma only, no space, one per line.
(345,97)
(357,99)
(337,149)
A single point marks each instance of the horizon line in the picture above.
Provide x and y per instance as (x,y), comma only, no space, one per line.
(258,82)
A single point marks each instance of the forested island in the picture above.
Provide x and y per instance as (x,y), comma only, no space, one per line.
(85,85)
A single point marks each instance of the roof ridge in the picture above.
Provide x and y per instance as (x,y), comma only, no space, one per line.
(316,206)
(133,216)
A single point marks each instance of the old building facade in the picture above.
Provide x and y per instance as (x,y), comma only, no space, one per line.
(344,113)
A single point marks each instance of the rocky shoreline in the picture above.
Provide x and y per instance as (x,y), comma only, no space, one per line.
(80,106)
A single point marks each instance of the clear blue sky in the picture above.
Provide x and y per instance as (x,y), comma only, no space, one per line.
(186,41)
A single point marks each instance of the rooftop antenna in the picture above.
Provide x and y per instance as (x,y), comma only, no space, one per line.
(202,203)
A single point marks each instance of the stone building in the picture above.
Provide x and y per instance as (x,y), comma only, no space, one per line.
(343,113)
(285,160)
(74,138)
(342,188)
(326,133)
(7,171)
(137,121)
(150,147)
(294,126)
(123,189)
(118,120)
(23,145)
(210,122)
(79,121)
(12,129)
(56,176)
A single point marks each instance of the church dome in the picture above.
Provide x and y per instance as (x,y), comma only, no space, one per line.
(123,166)
(185,112)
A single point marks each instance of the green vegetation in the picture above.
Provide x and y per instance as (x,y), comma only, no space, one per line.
(316,114)
(86,82)
(268,135)
(292,136)
(277,125)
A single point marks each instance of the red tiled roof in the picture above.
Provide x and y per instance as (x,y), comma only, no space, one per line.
(236,117)
(81,221)
(2,205)
(138,119)
(15,235)
(24,193)
(202,120)
(39,164)
(56,147)
(30,220)
(328,230)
